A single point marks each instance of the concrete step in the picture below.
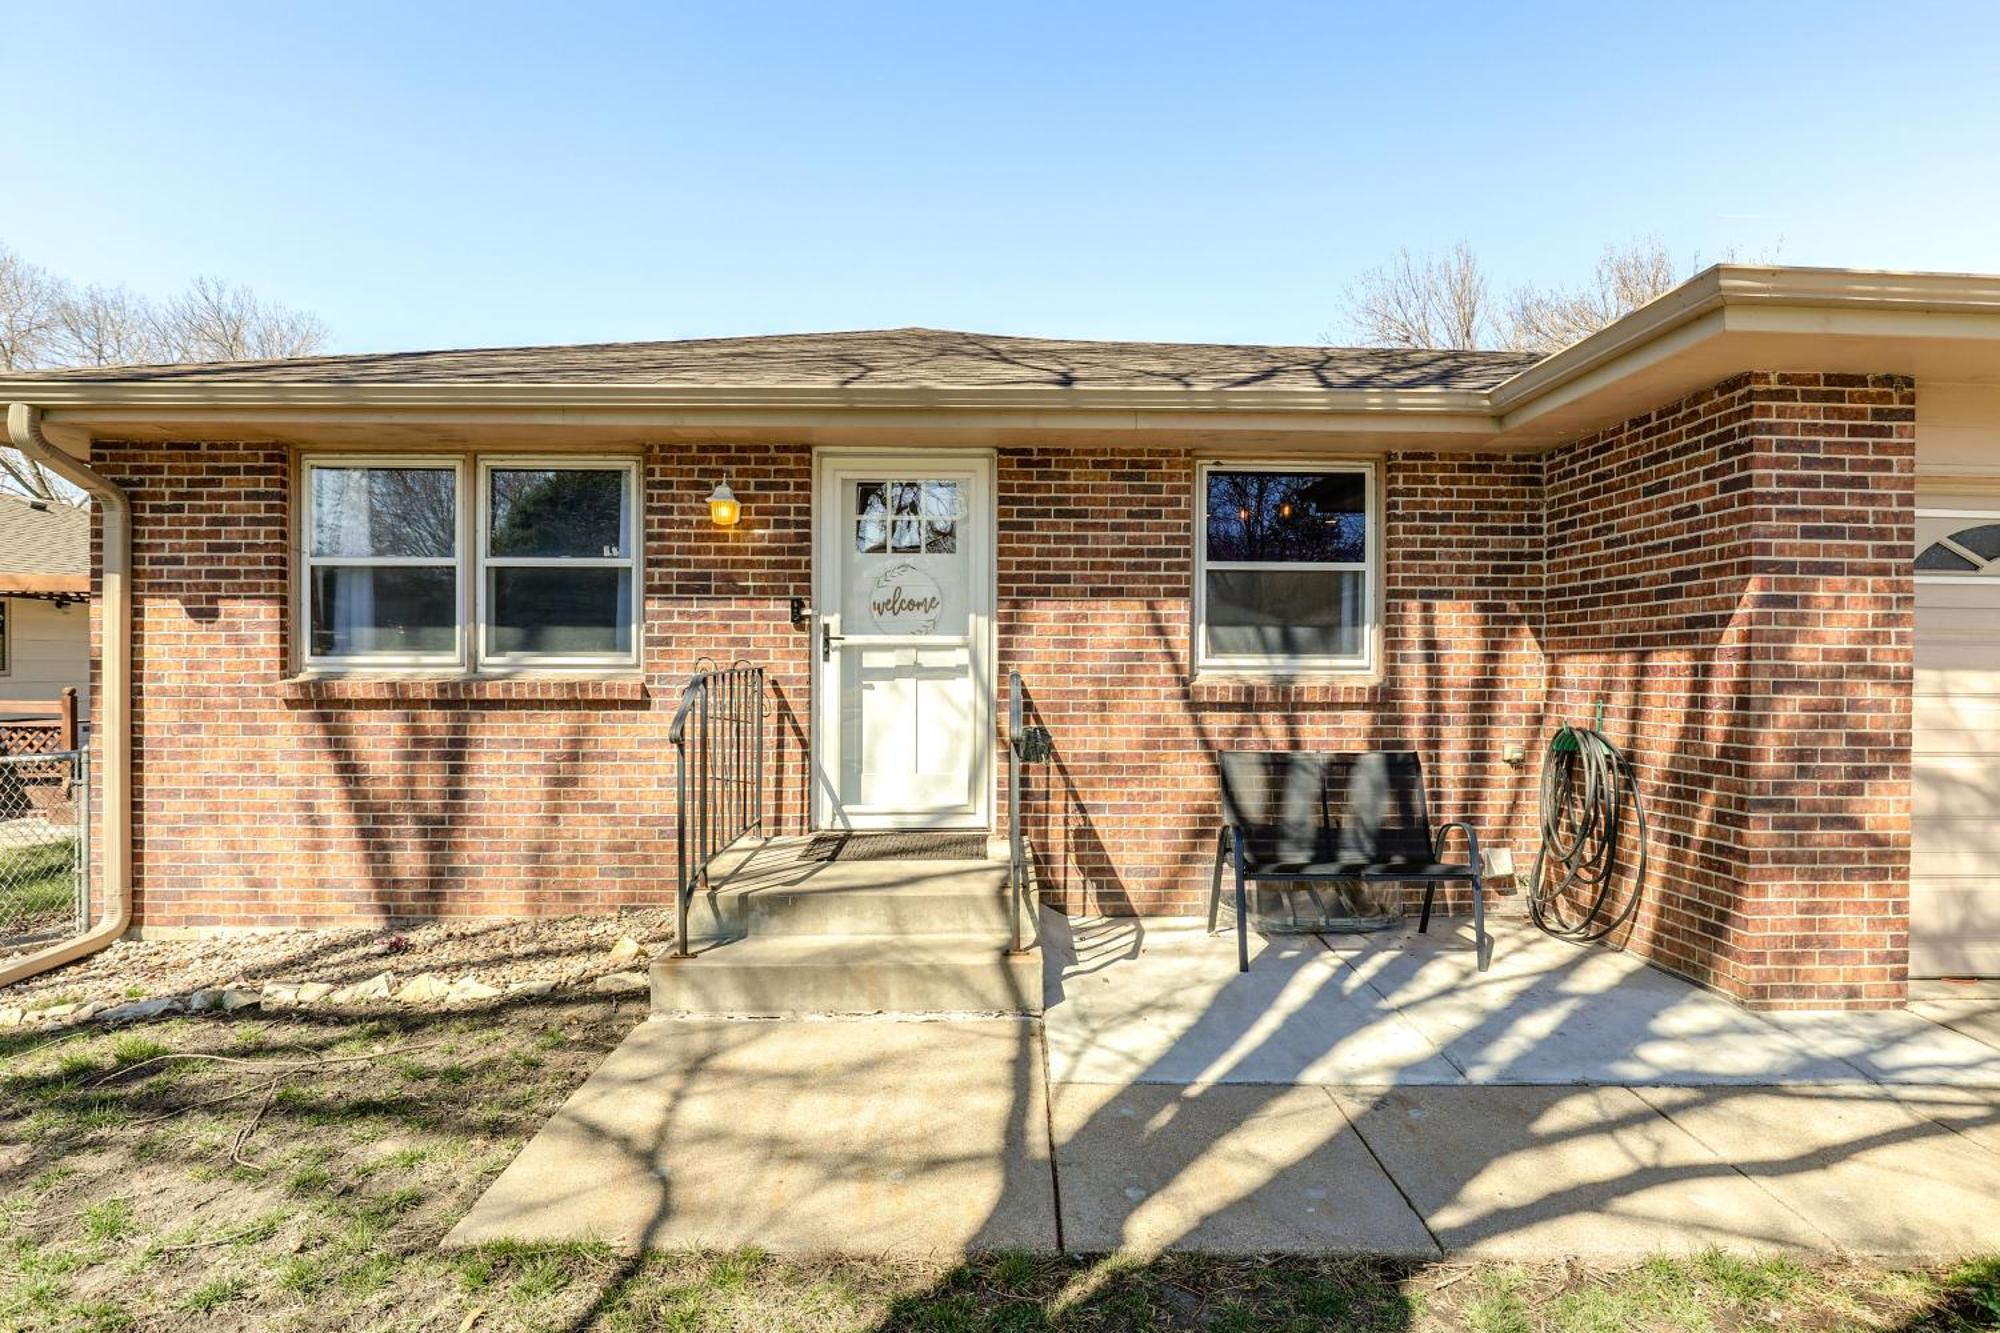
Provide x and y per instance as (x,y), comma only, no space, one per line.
(786,975)
(900,898)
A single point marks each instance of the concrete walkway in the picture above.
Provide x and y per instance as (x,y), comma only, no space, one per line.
(1373,1095)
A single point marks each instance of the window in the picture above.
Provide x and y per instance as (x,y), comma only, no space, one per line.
(1954,545)
(558,563)
(552,577)
(382,565)
(1284,561)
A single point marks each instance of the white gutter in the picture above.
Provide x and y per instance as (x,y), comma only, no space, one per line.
(112,718)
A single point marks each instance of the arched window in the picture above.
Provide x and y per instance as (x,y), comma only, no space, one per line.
(1958,543)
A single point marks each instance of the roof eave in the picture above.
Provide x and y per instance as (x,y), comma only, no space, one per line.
(59,394)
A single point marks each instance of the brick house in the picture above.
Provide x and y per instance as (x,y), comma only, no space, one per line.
(408,632)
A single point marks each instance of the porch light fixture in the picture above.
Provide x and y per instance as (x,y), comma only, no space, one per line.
(723,509)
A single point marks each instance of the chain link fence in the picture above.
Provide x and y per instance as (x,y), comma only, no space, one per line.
(44,849)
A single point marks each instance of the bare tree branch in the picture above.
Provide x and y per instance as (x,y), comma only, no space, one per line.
(1443,302)
(1547,320)
(46,322)
(28,300)
(1438,301)
(212,321)
(106,326)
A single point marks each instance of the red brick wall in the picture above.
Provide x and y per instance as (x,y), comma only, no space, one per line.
(260,803)
(1095,571)
(1729,576)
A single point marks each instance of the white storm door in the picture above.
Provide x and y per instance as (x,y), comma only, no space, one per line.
(902,640)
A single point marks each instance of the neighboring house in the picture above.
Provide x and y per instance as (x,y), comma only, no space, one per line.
(44,603)
(409,630)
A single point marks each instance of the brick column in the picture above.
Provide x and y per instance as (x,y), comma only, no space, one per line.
(1730,576)
(1826,713)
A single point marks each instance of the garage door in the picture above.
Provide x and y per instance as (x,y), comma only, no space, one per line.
(1955,765)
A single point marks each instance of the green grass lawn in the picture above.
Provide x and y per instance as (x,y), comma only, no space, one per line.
(37,884)
(272,1189)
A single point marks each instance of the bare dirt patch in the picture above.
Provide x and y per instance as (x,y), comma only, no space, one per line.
(567,950)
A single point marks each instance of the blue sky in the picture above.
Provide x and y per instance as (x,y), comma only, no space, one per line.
(427,175)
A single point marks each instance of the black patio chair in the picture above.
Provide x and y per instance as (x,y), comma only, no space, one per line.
(1292,816)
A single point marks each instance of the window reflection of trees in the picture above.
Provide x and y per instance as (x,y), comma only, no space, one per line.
(1288,517)
(385,512)
(557,512)
(906,517)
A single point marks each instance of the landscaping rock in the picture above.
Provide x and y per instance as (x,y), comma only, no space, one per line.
(620,982)
(539,986)
(12,1017)
(204,1000)
(468,989)
(625,951)
(55,1013)
(153,1008)
(313,992)
(233,999)
(375,988)
(279,996)
(424,988)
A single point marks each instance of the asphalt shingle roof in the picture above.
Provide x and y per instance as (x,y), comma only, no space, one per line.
(51,540)
(886,358)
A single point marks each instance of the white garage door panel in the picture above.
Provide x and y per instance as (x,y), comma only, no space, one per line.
(1939,710)
(1953,786)
(1954,851)
(1954,931)
(1955,760)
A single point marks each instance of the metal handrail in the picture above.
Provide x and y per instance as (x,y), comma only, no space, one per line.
(1025,745)
(718,739)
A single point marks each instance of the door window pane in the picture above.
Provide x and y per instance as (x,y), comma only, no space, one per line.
(554,512)
(559,612)
(384,512)
(1285,613)
(384,610)
(1288,517)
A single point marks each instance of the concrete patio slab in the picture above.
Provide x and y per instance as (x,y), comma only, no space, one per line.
(1971,1113)
(1222,1170)
(1894,1046)
(1551,1012)
(1868,1170)
(1531,1172)
(796,1137)
(1139,1002)
(1972,1009)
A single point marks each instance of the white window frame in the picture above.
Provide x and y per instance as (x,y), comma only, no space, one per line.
(482,562)
(1967,518)
(1369,568)
(307,562)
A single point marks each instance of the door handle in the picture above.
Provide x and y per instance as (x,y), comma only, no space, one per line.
(827,638)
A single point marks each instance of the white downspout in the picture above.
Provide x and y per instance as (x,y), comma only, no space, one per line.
(112,713)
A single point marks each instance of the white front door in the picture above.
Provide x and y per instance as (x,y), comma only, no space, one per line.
(902,645)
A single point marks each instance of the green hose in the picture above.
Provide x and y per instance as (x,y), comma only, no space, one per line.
(1586,785)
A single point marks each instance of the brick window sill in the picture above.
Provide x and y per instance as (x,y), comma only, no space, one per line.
(452,687)
(1285,691)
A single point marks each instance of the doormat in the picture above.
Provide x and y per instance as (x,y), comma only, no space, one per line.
(895,847)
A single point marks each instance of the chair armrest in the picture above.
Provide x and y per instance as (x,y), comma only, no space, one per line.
(1471,842)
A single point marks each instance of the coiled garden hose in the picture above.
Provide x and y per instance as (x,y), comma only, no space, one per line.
(1586,785)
